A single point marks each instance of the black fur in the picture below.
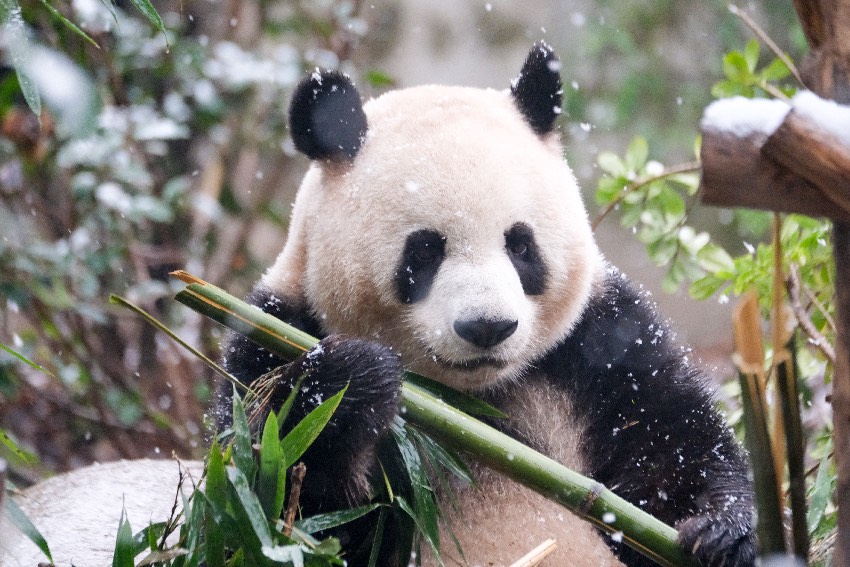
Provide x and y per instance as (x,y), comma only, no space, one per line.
(423,253)
(537,91)
(653,436)
(326,117)
(525,256)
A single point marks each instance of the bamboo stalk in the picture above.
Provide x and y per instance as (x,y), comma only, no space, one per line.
(582,496)
(749,358)
(786,388)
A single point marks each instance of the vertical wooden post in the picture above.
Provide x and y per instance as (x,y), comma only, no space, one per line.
(826,71)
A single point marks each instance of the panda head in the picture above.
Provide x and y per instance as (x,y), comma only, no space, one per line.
(442,221)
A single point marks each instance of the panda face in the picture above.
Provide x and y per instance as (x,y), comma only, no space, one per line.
(456,235)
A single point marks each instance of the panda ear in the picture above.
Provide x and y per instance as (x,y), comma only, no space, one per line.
(326,117)
(537,91)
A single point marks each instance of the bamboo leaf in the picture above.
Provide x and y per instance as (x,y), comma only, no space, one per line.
(215,487)
(118,300)
(285,554)
(147,538)
(25,456)
(26,360)
(330,520)
(269,485)
(378,539)
(243,454)
(453,463)
(214,538)
(284,410)
(424,510)
(821,492)
(250,519)
(302,435)
(20,521)
(68,23)
(125,546)
(147,9)
(30,92)
(462,401)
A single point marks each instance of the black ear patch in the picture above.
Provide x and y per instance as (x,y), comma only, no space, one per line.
(326,117)
(537,91)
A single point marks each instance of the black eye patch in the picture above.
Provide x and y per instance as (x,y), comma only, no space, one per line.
(525,255)
(423,253)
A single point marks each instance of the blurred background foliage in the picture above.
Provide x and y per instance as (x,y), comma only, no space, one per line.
(157,150)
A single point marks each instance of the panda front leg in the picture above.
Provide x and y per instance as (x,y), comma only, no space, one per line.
(341,459)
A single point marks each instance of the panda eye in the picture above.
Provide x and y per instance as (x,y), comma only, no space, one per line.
(426,254)
(518,248)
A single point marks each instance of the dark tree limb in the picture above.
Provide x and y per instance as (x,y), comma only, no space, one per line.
(815,155)
(735,173)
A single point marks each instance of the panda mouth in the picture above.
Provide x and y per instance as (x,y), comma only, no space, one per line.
(471,364)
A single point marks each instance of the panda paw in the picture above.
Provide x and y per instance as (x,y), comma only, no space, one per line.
(716,542)
(340,459)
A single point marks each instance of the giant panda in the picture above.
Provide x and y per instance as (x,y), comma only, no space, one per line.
(439,229)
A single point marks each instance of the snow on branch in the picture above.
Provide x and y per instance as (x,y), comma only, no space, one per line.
(769,154)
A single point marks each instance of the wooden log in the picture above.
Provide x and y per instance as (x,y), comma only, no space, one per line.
(827,73)
(735,173)
(803,147)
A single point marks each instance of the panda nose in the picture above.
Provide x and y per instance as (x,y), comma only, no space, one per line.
(485,333)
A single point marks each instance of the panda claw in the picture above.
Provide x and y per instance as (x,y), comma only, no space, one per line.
(715,543)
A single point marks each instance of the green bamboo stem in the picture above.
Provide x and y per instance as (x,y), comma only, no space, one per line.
(582,496)
(771,534)
(786,387)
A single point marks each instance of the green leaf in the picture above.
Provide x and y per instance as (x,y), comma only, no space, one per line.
(777,70)
(302,435)
(148,537)
(462,401)
(726,88)
(68,23)
(243,454)
(125,546)
(250,519)
(146,8)
(20,521)
(821,492)
(735,67)
(215,487)
(609,188)
(379,79)
(25,456)
(213,538)
(637,153)
(424,510)
(378,539)
(25,360)
(611,163)
(283,412)
(271,482)
(330,520)
(435,451)
(714,259)
(751,54)
(30,92)
(705,287)
(285,554)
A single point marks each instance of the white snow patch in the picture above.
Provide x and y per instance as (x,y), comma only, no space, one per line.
(830,116)
(744,116)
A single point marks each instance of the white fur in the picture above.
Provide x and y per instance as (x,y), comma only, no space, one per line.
(463,162)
